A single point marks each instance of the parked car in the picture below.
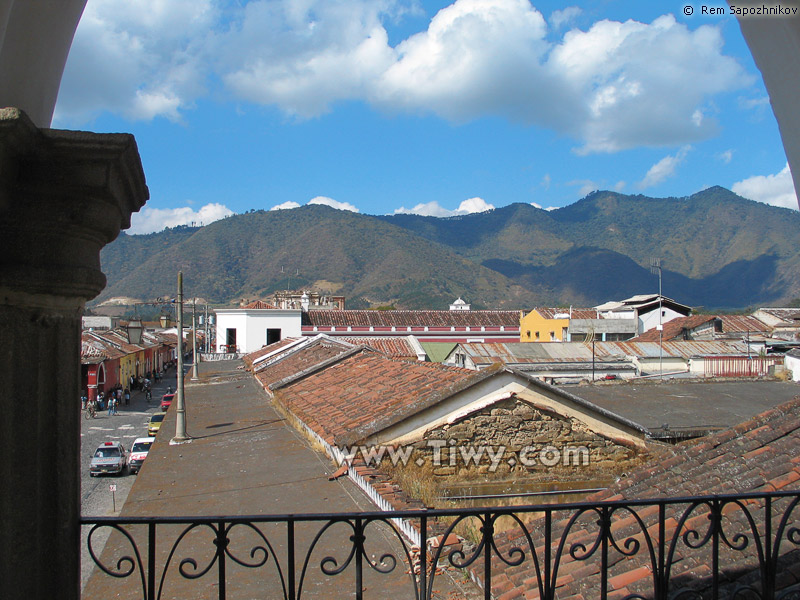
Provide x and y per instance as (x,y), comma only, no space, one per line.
(139,450)
(155,423)
(110,457)
(166,401)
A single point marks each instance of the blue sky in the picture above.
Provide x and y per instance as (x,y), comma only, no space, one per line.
(433,107)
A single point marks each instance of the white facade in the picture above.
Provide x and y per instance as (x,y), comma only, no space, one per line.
(649,320)
(792,362)
(246,330)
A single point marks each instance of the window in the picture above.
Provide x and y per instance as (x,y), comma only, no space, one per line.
(552,336)
(273,335)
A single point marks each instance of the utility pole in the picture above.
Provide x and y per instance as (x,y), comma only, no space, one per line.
(180,422)
(655,268)
(195,376)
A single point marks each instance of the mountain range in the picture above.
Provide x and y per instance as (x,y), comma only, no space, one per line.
(717,250)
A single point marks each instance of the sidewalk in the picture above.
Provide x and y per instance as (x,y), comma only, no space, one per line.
(243,459)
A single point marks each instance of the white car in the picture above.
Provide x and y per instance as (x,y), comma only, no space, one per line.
(110,457)
(139,450)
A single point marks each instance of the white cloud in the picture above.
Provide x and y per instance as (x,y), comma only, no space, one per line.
(777,190)
(539,206)
(559,18)
(138,58)
(285,206)
(546,181)
(585,186)
(325,201)
(614,86)
(726,156)
(434,209)
(663,169)
(149,220)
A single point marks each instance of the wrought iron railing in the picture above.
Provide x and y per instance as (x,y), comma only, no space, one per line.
(742,546)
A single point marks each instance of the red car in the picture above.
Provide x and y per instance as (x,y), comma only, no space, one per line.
(166,401)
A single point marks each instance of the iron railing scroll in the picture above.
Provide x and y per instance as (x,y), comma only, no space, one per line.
(735,546)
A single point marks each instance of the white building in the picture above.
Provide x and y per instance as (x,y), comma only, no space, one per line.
(246,329)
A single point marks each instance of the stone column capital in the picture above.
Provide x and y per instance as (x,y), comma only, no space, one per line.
(64,195)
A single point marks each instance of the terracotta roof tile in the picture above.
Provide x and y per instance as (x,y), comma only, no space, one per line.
(760,454)
(264,350)
(304,358)
(363,389)
(412,318)
(394,347)
(260,305)
(674,329)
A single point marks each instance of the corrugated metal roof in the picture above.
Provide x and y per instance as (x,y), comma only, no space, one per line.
(540,352)
(566,312)
(742,324)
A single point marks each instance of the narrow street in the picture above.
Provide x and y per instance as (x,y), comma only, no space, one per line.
(97,497)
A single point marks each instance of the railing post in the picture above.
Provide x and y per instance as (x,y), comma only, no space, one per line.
(488,536)
(222,544)
(660,574)
(151,561)
(716,524)
(358,540)
(605,532)
(290,557)
(548,541)
(768,569)
(423,558)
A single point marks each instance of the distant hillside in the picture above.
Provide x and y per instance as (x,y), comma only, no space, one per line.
(718,250)
(369,261)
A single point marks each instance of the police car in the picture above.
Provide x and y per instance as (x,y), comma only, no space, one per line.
(139,450)
(110,457)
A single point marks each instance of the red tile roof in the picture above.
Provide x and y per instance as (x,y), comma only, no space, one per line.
(674,329)
(760,455)
(259,304)
(264,350)
(393,347)
(412,318)
(310,355)
(367,390)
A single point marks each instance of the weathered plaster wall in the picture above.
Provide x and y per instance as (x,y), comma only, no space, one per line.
(516,426)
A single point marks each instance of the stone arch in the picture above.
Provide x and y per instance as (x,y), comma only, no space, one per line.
(63,196)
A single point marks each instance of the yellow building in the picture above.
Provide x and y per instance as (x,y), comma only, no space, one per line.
(550,324)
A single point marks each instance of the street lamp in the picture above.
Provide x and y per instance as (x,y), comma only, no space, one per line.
(180,417)
(164,320)
(135,330)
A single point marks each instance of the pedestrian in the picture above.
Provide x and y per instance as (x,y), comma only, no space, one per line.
(127,396)
(101,401)
(110,405)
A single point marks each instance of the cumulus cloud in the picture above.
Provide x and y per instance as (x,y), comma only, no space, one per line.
(324,200)
(285,206)
(726,156)
(616,85)
(149,220)
(559,18)
(663,169)
(434,209)
(585,186)
(539,206)
(777,190)
(139,59)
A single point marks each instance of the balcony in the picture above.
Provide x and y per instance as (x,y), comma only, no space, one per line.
(733,546)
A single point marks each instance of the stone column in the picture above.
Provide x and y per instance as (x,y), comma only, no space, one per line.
(63,196)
